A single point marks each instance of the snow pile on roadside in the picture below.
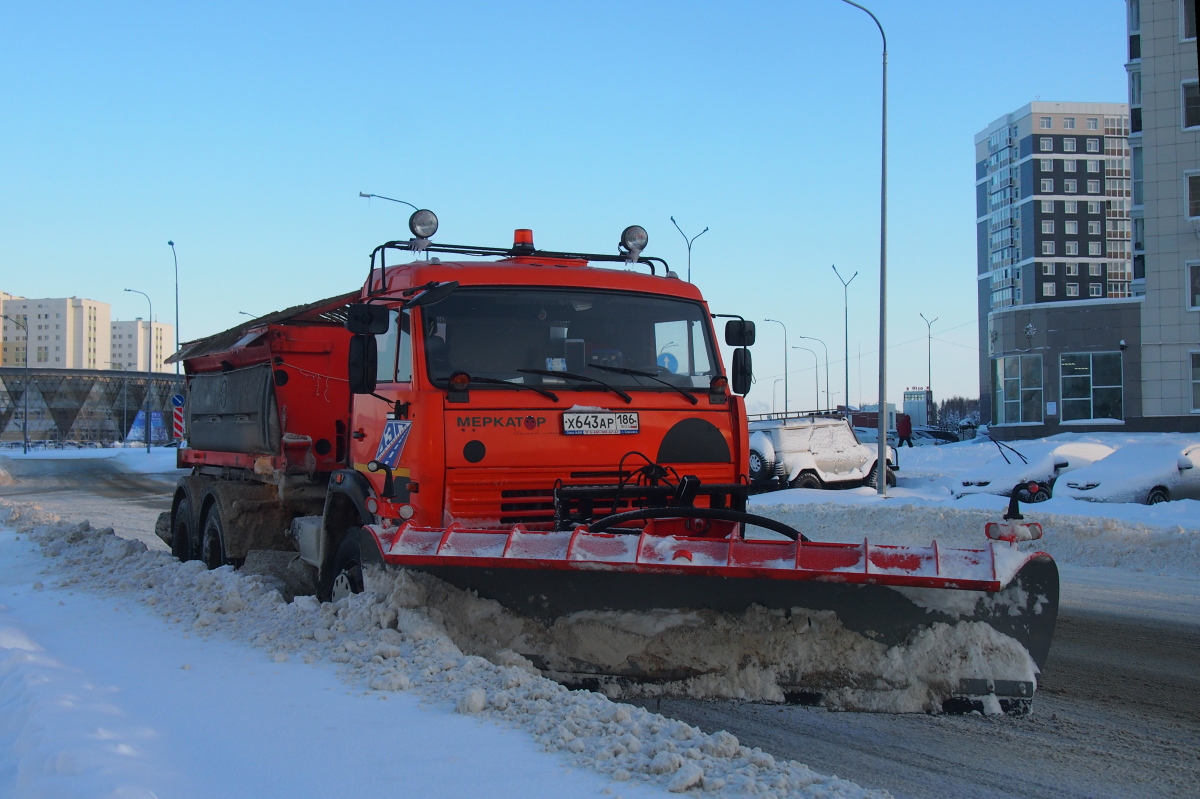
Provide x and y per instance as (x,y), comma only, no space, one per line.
(391,645)
(759,654)
(1074,540)
(5,478)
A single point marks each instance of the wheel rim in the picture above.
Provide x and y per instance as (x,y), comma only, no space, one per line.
(347,582)
(1156,498)
(756,463)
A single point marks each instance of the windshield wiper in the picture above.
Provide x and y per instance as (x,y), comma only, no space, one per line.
(496,382)
(573,376)
(622,370)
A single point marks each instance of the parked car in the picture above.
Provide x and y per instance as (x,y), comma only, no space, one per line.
(812,452)
(939,436)
(1042,462)
(1149,473)
(869,435)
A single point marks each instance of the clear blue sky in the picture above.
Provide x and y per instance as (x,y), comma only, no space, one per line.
(244,131)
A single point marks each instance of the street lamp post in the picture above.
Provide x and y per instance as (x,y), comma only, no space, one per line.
(785,364)
(822,343)
(380,196)
(881,451)
(25,414)
(816,374)
(929,358)
(171,244)
(846,315)
(689,244)
(149,360)
(774,386)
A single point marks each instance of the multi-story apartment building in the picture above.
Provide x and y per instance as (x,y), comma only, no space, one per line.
(1164,97)
(1056,311)
(129,345)
(74,333)
(64,333)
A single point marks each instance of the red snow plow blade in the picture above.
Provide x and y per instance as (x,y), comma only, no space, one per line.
(887,594)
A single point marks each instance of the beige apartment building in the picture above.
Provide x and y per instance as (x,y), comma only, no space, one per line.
(75,333)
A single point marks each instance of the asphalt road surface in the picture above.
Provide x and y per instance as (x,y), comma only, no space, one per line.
(1117,711)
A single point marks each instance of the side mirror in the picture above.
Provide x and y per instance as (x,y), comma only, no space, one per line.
(363,364)
(743,372)
(363,318)
(432,294)
(1185,463)
(739,333)
(1061,463)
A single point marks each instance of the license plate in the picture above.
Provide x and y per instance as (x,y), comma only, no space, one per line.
(589,423)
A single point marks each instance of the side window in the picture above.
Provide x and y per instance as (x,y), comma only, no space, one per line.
(395,351)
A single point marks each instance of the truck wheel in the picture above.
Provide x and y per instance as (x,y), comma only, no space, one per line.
(761,469)
(807,480)
(212,541)
(357,549)
(873,478)
(182,539)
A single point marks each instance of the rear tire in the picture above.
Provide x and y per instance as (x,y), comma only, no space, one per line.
(182,536)
(358,549)
(1046,492)
(807,480)
(1158,495)
(762,470)
(873,477)
(212,540)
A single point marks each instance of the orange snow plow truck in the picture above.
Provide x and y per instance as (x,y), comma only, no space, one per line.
(559,437)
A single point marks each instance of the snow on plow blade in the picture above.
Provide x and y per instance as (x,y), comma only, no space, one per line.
(931,608)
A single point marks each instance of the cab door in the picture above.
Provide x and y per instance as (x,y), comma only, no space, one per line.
(386,435)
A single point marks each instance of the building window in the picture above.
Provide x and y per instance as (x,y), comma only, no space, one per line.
(1189,19)
(1093,123)
(1193,272)
(1047,206)
(1048,268)
(1071,228)
(1047,185)
(1017,383)
(1093,228)
(1068,145)
(1093,206)
(1070,186)
(1072,289)
(1093,187)
(1095,290)
(1191,105)
(1093,145)
(1047,225)
(1193,196)
(1195,381)
(1095,270)
(1094,248)
(1045,123)
(1069,165)
(1047,289)
(1047,248)
(1047,165)
(1091,386)
(1093,165)
(1069,123)
(1047,144)
(1072,270)
(1072,248)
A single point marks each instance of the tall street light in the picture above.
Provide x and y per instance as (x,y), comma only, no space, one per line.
(774,386)
(149,360)
(929,361)
(846,314)
(881,451)
(171,244)
(816,374)
(380,196)
(785,368)
(822,343)
(25,416)
(689,244)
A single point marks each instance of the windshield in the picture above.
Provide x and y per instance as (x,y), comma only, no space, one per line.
(496,333)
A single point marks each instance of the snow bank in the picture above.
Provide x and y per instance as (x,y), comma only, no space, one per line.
(385,640)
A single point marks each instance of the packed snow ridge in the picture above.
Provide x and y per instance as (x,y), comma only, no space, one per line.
(387,639)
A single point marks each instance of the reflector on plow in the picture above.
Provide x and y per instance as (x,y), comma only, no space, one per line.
(872,607)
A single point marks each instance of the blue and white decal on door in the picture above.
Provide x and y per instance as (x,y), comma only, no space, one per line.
(391,443)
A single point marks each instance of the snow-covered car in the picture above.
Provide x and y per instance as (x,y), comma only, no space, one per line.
(812,452)
(1042,462)
(1149,473)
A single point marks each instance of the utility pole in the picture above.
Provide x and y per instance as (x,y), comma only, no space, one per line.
(846,316)
(171,244)
(929,363)
(689,244)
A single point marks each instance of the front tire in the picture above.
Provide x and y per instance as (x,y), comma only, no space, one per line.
(807,480)
(1158,495)
(873,477)
(357,550)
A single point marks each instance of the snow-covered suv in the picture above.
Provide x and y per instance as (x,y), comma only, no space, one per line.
(812,452)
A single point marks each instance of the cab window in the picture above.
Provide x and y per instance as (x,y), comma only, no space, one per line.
(395,351)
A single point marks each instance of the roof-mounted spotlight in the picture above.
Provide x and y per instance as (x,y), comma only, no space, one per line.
(423,224)
(633,240)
